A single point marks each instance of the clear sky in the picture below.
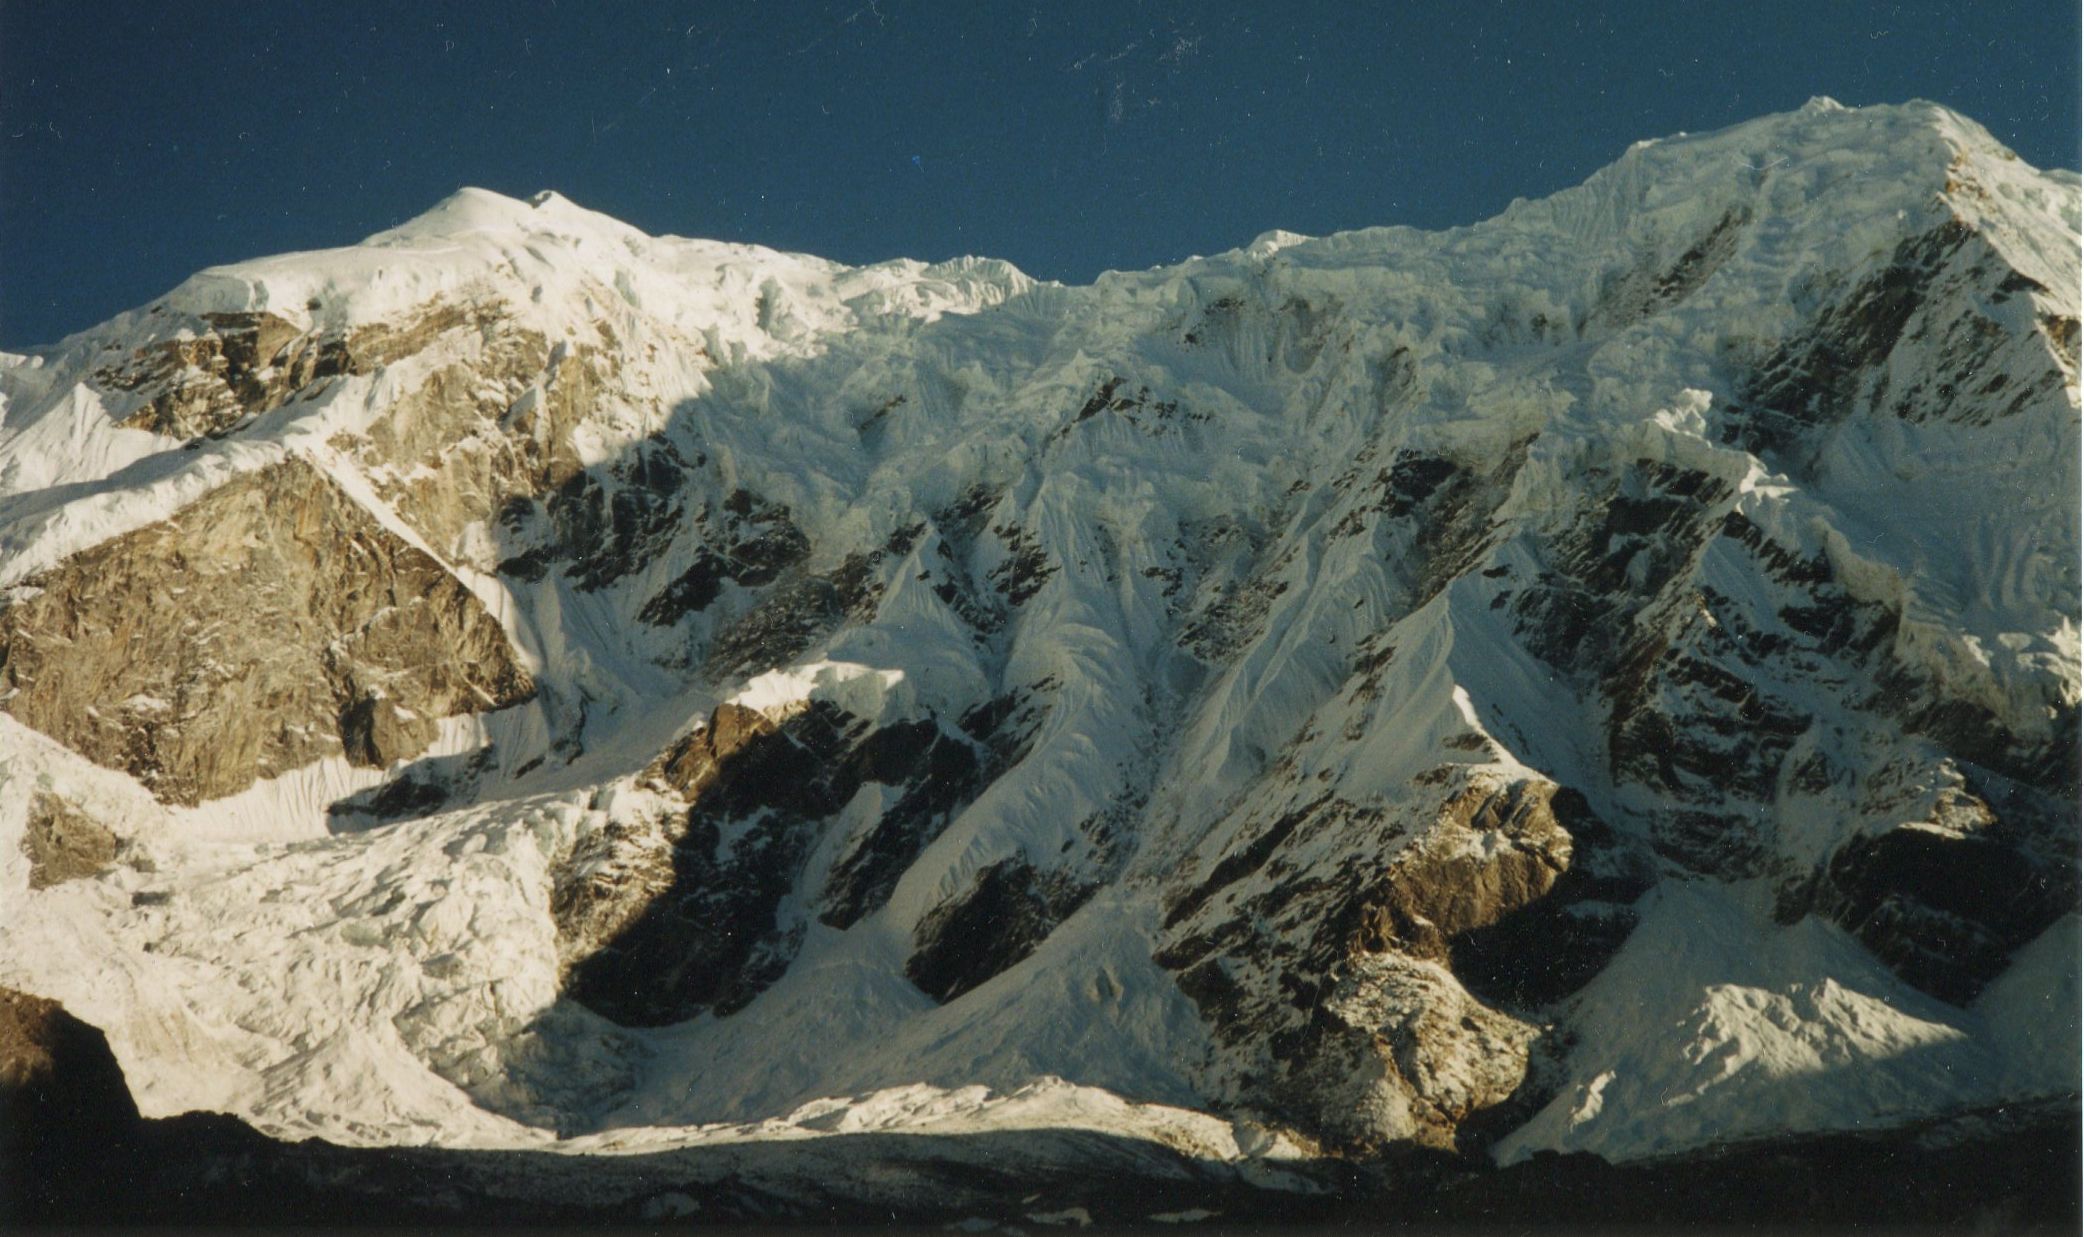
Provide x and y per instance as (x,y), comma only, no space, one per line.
(140,141)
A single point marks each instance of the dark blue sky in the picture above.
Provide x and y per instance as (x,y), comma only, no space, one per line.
(140,141)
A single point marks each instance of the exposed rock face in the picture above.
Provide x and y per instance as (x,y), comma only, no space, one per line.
(621,871)
(711,937)
(480,455)
(660,921)
(63,843)
(753,542)
(1535,952)
(939,774)
(214,377)
(1708,688)
(1489,853)
(269,624)
(989,927)
(1343,983)
(241,365)
(1945,902)
(61,1091)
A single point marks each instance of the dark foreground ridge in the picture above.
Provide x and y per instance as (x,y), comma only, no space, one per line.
(77,1153)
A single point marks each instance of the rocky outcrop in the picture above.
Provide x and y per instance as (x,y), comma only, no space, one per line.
(1489,853)
(64,843)
(480,454)
(1533,954)
(746,541)
(272,623)
(210,375)
(61,1092)
(939,773)
(1396,1049)
(1707,707)
(236,367)
(1004,914)
(1919,336)
(615,875)
(1945,900)
(1657,281)
(1340,985)
(485,432)
(685,912)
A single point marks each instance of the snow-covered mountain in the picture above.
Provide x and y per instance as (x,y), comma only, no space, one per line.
(1605,678)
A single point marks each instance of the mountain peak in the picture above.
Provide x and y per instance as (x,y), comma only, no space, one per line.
(1605,676)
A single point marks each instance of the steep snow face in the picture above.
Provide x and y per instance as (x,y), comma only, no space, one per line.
(1604,678)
